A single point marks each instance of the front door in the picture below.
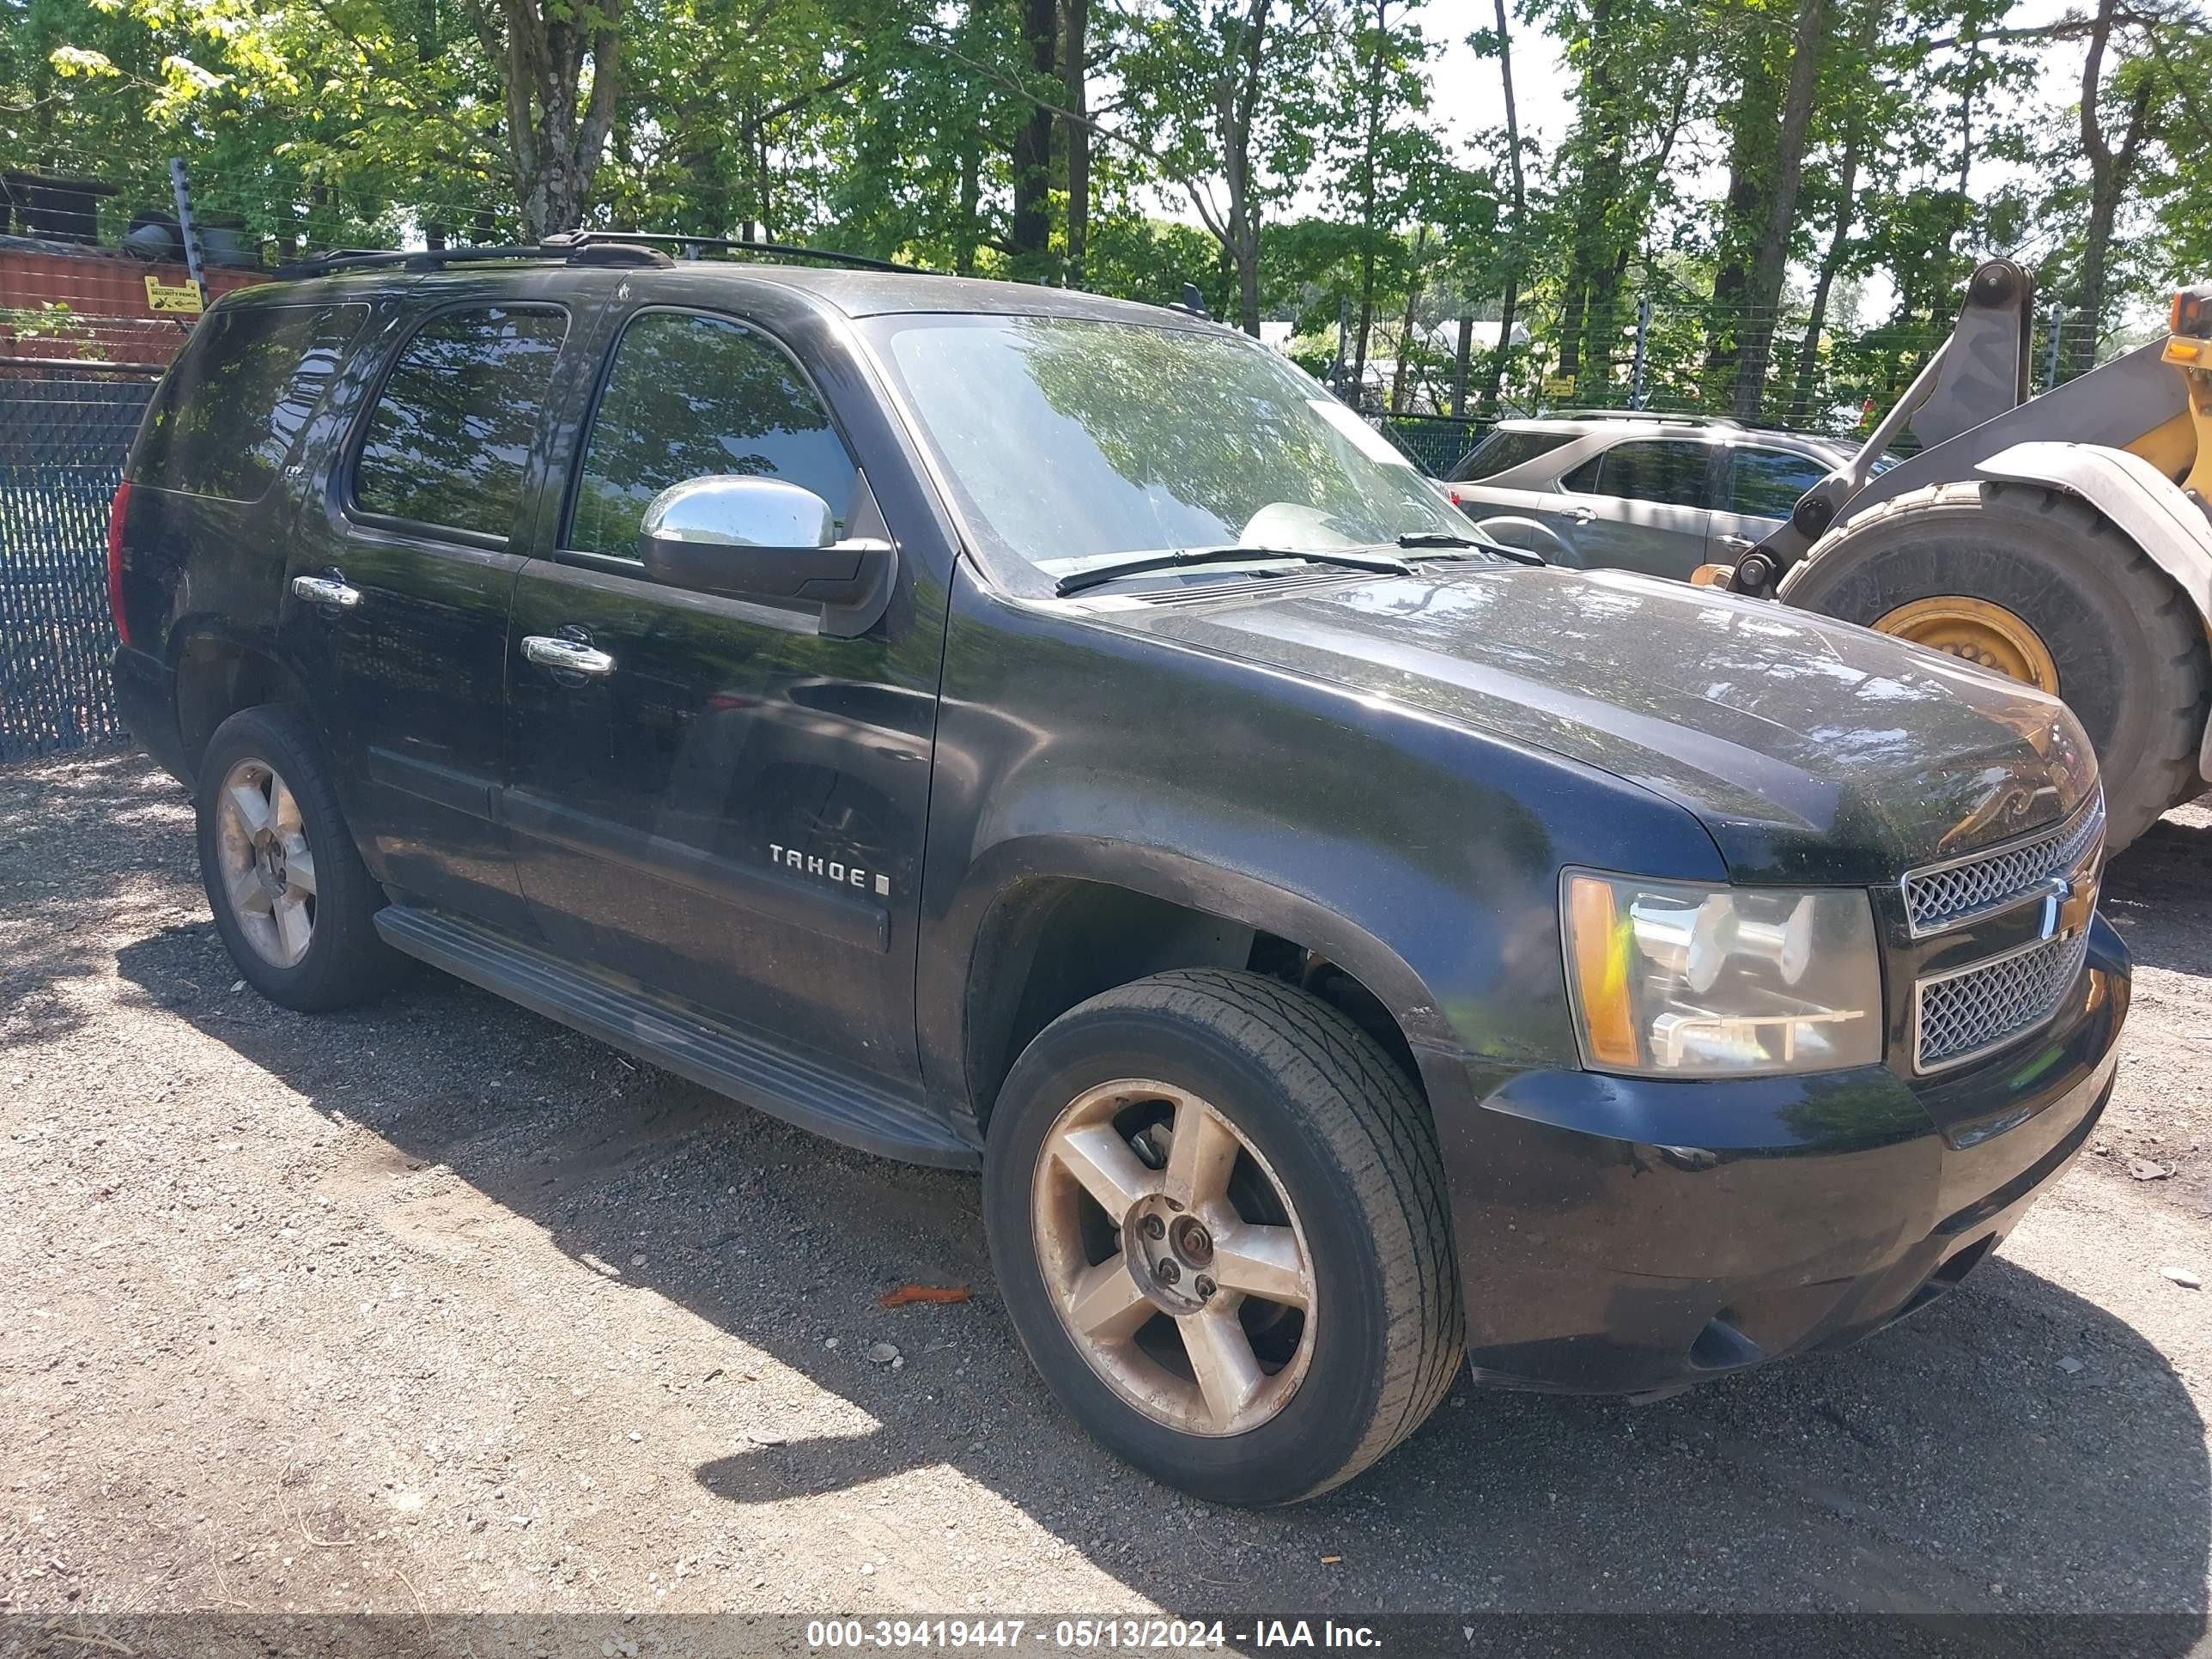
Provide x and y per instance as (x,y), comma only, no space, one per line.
(1761,487)
(397,596)
(1542,520)
(1643,505)
(730,806)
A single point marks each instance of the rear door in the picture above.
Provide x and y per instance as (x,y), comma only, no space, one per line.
(397,592)
(1506,485)
(1761,483)
(1645,504)
(731,810)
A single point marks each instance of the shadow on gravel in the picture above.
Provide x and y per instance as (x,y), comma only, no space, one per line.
(63,881)
(1953,1463)
(2159,894)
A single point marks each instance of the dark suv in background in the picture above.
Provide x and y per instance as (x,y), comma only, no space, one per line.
(1660,493)
(1027,733)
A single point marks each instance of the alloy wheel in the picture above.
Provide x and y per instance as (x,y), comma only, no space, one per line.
(1174,1257)
(267,870)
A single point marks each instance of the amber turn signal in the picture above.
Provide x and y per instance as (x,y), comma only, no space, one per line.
(1600,944)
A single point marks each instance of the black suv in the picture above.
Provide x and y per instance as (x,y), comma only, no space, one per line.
(1018,730)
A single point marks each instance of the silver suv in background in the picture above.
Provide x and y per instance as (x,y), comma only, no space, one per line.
(1662,494)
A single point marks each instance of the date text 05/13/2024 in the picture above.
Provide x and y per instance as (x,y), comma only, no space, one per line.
(1112,1634)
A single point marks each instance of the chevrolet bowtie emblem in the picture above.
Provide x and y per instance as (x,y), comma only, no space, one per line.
(2069,901)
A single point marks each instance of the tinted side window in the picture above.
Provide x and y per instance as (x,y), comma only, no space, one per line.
(1658,470)
(690,396)
(1767,483)
(1583,481)
(1501,450)
(447,438)
(228,414)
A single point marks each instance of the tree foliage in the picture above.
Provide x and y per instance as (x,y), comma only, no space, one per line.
(1776,200)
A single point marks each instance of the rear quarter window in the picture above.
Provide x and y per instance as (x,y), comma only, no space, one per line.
(1502,450)
(228,414)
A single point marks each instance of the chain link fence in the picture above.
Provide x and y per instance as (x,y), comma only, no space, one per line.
(1434,443)
(64,435)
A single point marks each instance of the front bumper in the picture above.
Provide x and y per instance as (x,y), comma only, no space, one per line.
(1632,1236)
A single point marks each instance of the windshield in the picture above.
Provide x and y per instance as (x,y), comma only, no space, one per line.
(1072,443)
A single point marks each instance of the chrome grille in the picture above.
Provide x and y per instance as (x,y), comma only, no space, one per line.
(1947,895)
(1962,1014)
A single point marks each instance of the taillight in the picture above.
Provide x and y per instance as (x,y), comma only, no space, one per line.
(117,510)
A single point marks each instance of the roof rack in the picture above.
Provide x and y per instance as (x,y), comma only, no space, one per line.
(575,247)
(423,259)
(645,238)
(1658,417)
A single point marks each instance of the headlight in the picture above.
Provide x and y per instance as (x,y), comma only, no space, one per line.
(1677,979)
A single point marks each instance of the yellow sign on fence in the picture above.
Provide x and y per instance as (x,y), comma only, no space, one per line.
(172,297)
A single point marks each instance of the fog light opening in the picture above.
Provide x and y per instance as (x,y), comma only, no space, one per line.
(1960,1263)
(1721,1348)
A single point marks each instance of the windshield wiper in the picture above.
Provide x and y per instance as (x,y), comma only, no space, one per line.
(1175,558)
(1444,538)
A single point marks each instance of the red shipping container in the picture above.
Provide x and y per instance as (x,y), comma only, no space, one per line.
(99,306)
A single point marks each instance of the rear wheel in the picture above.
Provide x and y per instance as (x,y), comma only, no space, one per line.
(291,897)
(2037,585)
(1217,1214)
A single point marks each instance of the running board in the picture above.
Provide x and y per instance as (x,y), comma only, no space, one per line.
(681,1040)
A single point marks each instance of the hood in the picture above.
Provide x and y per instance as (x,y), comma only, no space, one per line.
(1811,750)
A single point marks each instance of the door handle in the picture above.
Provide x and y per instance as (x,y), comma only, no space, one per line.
(1584,514)
(1736,543)
(332,589)
(570,656)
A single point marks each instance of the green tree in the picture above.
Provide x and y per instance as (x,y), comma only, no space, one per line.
(1225,91)
(1382,152)
(1640,77)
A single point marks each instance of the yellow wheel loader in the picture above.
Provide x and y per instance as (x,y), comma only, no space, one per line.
(2063,540)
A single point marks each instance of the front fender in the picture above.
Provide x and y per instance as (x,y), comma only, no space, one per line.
(1419,855)
(2149,508)
(1179,877)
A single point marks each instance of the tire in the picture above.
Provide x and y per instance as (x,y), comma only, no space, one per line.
(1329,1129)
(270,753)
(2128,645)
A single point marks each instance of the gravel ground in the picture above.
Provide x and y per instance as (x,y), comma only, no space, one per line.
(437,1305)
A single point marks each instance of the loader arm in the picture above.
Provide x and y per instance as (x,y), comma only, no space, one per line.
(2065,540)
(1967,405)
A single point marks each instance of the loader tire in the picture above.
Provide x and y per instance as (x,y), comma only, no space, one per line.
(2040,576)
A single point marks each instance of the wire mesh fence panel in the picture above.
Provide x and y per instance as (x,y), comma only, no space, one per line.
(63,439)
(1434,443)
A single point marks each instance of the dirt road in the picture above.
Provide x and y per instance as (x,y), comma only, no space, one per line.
(438,1305)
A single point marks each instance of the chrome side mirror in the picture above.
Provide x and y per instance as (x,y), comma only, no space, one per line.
(768,541)
(738,511)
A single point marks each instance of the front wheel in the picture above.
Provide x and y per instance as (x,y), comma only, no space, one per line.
(1217,1214)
